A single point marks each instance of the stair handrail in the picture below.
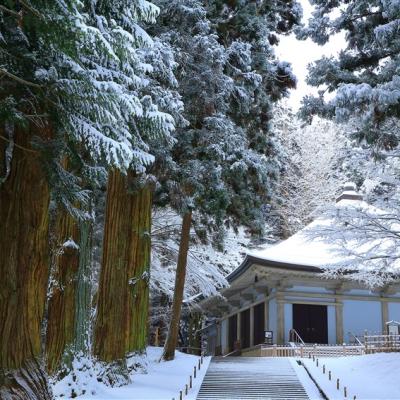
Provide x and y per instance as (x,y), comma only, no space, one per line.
(356,338)
(293,334)
(236,351)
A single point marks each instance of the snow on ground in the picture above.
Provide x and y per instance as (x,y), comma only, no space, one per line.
(312,391)
(373,376)
(160,380)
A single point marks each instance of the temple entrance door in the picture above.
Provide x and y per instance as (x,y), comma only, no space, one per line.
(259,323)
(245,328)
(232,332)
(311,322)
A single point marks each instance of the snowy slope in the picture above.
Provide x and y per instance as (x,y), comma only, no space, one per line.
(373,376)
(157,381)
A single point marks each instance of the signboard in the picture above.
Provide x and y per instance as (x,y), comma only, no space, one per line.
(268,337)
(393,329)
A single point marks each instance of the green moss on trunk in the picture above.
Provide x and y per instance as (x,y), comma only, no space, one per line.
(61,306)
(122,307)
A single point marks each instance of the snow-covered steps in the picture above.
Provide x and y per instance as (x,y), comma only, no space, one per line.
(251,378)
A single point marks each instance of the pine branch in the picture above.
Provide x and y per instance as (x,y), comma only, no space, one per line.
(11,12)
(18,145)
(18,79)
(31,9)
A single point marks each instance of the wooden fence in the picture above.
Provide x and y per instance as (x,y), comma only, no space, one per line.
(304,351)
(371,344)
(381,343)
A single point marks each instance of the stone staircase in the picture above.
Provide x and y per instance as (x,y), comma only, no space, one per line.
(251,378)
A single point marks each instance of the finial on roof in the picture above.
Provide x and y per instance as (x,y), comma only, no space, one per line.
(349,192)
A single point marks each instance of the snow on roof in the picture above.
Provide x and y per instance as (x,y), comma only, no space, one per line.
(304,248)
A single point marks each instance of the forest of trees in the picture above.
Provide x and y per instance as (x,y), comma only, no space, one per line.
(110,109)
(132,131)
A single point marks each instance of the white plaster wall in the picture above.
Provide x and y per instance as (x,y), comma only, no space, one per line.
(394,311)
(361,292)
(331,324)
(359,316)
(309,289)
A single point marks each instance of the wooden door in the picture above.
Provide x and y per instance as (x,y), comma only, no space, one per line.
(245,328)
(232,332)
(259,323)
(311,322)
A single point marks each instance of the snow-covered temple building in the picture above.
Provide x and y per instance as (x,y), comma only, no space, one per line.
(283,287)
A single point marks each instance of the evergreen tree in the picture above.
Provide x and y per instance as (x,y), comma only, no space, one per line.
(123,295)
(364,76)
(215,175)
(71,81)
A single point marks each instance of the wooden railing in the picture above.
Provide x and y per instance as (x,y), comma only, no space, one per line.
(303,351)
(333,350)
(372,344)
(381,343)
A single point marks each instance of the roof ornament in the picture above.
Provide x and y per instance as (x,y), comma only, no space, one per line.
(349,193)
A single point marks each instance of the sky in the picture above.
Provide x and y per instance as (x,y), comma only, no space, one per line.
(300,53)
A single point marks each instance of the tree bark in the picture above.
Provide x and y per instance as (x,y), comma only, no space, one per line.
(24,270)
(83,297)
(61,306)
(172,338)
(123,296)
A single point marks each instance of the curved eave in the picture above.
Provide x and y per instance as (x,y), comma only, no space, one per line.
(250,260)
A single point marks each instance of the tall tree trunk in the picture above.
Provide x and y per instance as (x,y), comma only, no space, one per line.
(172,338)
(24,270)
(83,297)
(123,296)
(61,306)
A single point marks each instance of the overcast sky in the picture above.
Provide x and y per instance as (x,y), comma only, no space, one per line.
(301,52)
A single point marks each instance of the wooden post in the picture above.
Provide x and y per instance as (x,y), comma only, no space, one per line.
(339,321)
(266,315)
(199,366)
(190,382)
(280,335)
(330,375)
(180,395)
(337,384)
(186,390)
(323,369)
(251,326)
(345,391)
(317,362)
(156,337)
(194,371)
(385,315)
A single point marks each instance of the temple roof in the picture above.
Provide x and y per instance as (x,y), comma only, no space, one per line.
(305,250)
